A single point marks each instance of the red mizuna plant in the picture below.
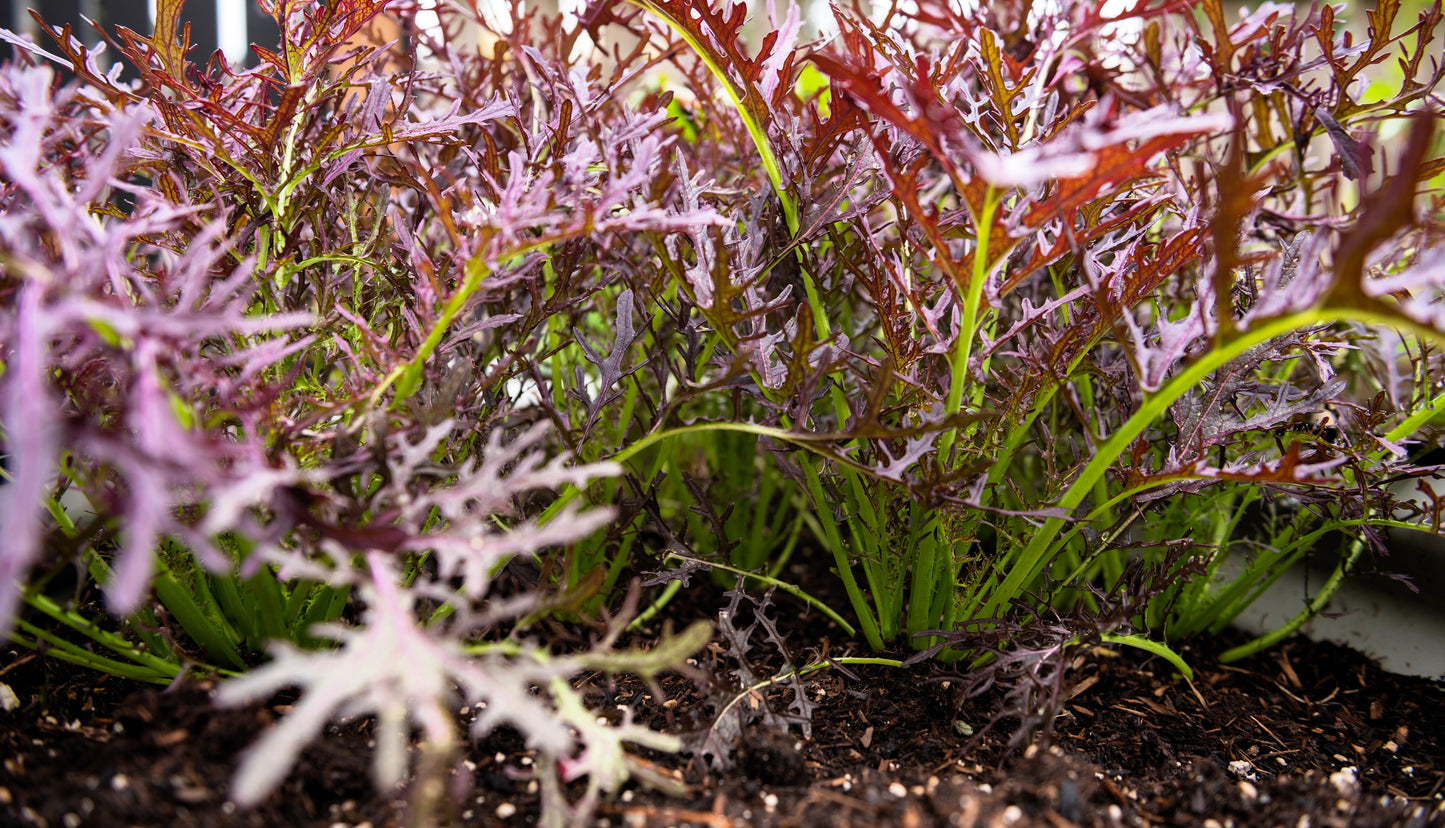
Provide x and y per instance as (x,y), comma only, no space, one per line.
(247,319)
(1028,319)
(1039,291)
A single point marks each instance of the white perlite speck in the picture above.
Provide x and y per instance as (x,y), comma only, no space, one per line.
(1345,779)
(1242,768)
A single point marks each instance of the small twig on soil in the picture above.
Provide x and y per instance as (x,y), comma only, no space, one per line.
(1262,726)
(1195,690)
(18,662)
(675,815)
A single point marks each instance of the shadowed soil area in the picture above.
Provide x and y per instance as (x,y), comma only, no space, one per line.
(1309,734)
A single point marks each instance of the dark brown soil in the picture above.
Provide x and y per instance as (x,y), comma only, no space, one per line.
(1307,735)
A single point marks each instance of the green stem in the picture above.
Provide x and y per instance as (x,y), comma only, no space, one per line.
(668,593)
(768,580)
(832,539)
(407,378)
(1318,603)
(105,638)
(963,341)
(755,130)
(56,647)
(806,670)
(808,442)
(1162,650)
(766,153)
(1035,555)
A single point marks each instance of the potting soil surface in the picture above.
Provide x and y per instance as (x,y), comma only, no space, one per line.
(1304,735)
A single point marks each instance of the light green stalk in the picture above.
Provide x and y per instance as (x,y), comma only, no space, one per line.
(1036,554)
